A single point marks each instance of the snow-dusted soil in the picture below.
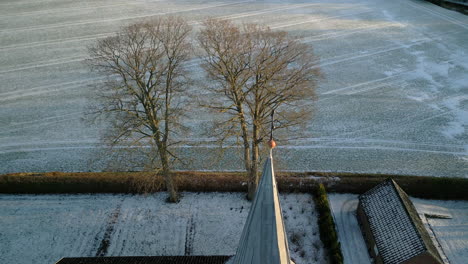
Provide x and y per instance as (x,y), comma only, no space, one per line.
(44,228)
(394,98)
(450,235)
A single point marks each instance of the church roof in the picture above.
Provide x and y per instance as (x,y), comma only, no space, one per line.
(264,239)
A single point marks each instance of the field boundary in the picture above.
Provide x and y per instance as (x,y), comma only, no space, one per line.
(456,5)
(442,188)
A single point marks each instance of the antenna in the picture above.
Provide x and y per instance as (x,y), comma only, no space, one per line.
(272,124)
(271,142)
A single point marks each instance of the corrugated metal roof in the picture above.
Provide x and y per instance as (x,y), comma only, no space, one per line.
(397,229)
(148,260)
(264,238)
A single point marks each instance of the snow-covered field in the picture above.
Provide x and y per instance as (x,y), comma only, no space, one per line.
(450,235)
(394,99)
(44,228)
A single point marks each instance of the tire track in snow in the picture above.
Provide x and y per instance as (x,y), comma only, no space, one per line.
(45,142)
(25,2)
(397,47)
(343,33)
(112,221)
(379,50)
(189,236)
(41,87)
(321,141)
(56,41)
(407,121)
(430,11)
(103,35)
(400,149)
(329,62)
(413,122)
(317,20)
(327,140)
(40,123)
(410,120)
(234,16)
(59,25)
(44,89)
(46,63)
(367,89)
(265,11)
(64,9)
(363,83)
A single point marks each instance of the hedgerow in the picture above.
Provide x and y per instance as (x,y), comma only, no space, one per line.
(444,188)
(327,230)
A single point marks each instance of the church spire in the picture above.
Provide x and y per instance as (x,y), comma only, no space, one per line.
(264,238)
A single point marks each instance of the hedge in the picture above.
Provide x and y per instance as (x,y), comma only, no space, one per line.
(328,233)
(125,182)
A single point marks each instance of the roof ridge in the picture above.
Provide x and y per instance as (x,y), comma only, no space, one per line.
(422,232)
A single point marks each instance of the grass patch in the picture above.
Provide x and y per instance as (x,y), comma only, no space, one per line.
(328,234)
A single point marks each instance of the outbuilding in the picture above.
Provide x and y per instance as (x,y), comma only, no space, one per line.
(392,228)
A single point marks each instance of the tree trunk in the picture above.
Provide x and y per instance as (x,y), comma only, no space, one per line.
(253,172)
(169,180)
(251,186)
(167,174)
(170,186)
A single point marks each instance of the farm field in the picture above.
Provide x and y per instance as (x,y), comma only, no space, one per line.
(394,98)
(44,228)
(450,235)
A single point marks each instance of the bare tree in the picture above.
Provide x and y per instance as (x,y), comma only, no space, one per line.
(146,78)
(257,71)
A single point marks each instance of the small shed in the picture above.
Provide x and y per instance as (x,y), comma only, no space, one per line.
(392,228)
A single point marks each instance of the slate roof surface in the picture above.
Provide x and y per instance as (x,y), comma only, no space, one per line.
(264,238)
(395,224)
(148,260)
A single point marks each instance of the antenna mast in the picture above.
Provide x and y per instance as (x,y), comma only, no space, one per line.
(271,142)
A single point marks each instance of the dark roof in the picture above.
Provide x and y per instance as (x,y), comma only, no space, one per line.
(264,238)
(398,231)
(148,260)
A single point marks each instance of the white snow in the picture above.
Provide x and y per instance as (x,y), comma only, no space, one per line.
(451,234)
(44,228)
(352,242)
(392,70)
(455,105)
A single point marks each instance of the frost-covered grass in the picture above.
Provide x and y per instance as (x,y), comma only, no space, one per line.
(44,228)
(451,235)
(393,99)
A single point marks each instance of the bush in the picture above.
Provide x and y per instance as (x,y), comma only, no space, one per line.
(328,233)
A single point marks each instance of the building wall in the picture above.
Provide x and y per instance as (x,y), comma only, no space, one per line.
(424,258)
(370,241)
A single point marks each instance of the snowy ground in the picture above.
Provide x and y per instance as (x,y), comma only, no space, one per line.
(44,228)
(451,235)
(394,99)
